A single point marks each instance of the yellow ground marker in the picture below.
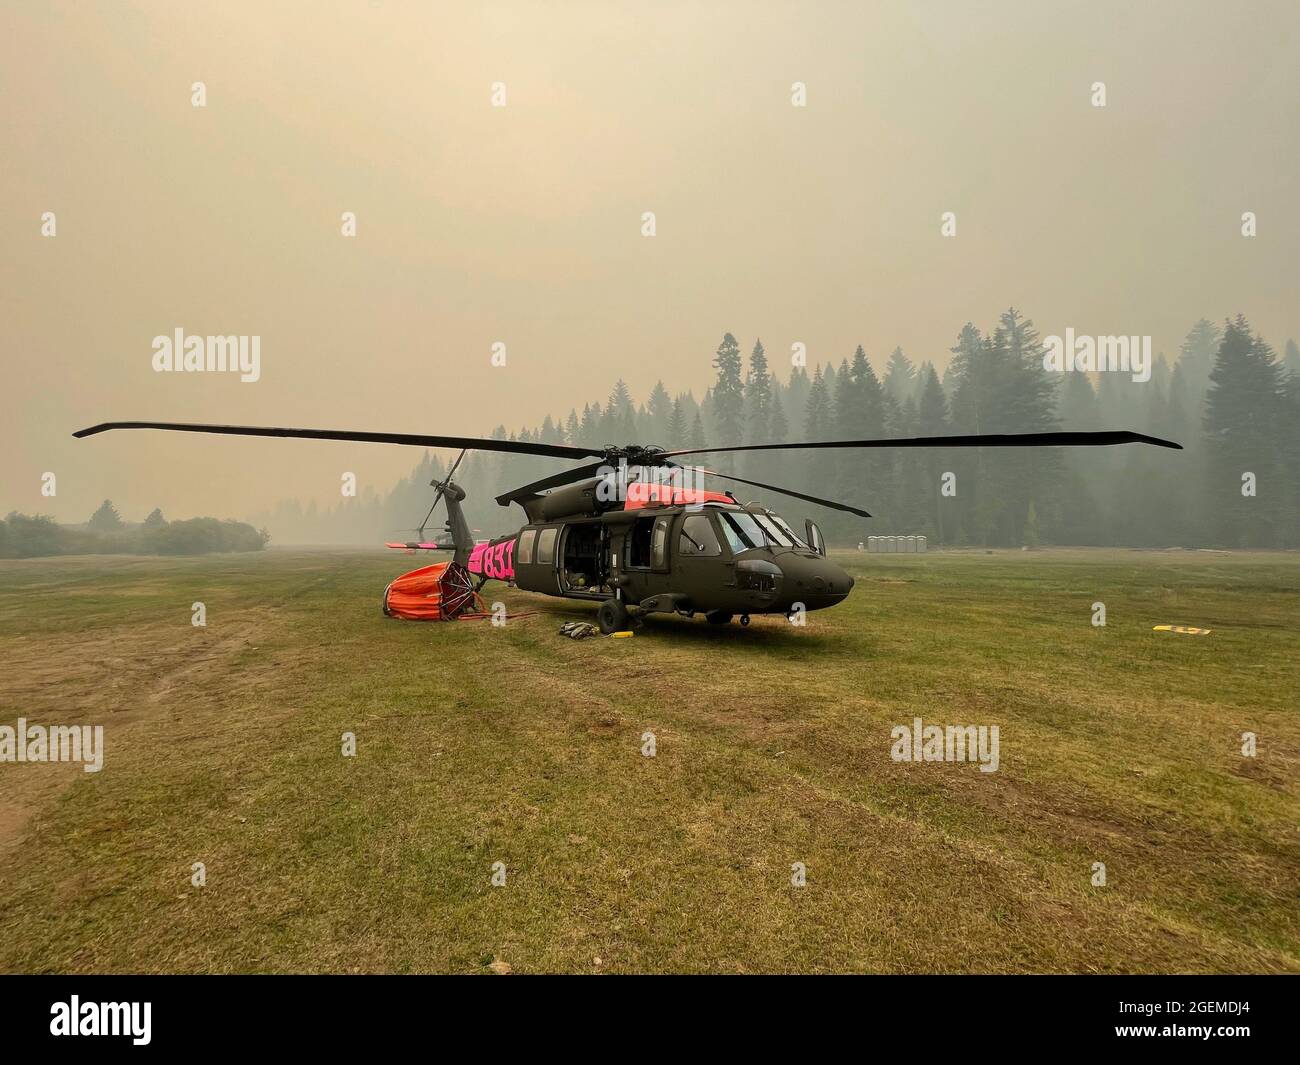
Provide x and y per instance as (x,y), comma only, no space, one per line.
(1186,630)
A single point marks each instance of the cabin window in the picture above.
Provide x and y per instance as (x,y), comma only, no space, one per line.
(659,544)
(697,537)
(546,546)
(638,543)
(526,540)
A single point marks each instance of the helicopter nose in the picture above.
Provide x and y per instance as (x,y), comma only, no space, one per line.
(817,583)
(832,582)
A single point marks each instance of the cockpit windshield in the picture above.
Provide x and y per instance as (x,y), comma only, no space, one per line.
(744,530)
(785,528)
(775,533)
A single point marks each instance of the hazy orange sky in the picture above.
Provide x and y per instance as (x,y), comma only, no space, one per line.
(522,223)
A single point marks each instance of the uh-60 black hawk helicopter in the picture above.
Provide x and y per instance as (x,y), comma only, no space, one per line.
(635,531)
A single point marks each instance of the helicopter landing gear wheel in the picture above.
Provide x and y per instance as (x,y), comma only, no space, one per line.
(612,616)
(718,617)
(744,619)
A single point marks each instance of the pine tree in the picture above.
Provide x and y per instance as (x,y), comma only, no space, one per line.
(675,434)
(155,520)
(817,409)
(758,408)
(932,411)
(1289,458)
(758,396)
(846,411)
(1084,518)
(932,420)
(918,385)
(1001,387)
(1243,419)
(1291,360)
(966,355)
(778,462)
(860,414)
(911,501)
(817,425)
(1030,534)
(620,415)
(1198,354)
(796,393)
(1030,475)
(1078,410)
(900,377)
(589,432)
(105,519)
(698,438)
(728,398)
(658,410)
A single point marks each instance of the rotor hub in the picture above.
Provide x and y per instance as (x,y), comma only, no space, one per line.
(634,454)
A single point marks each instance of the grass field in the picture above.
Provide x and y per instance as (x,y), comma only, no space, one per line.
(478,745)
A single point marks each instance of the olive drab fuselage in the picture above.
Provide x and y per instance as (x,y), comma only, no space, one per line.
(711,558)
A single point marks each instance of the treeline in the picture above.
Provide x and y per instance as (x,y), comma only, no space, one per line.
(24,536)
(1226,397)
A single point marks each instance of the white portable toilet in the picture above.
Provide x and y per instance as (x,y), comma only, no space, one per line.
(891,544)
(871,544)
(861,546)
(911,545)
(920,544)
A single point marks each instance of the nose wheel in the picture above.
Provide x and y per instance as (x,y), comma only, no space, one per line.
(744,619)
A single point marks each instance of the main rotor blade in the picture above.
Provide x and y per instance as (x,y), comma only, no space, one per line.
(581,473)
(784,491)
(473,443)
(1094,439)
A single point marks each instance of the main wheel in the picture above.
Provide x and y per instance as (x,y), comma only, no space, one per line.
(612,616)
(718,617)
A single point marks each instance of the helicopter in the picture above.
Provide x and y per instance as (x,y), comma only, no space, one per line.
(636,532)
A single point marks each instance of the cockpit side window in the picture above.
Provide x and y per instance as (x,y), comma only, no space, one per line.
(742,524)
(697,537)
(732,535)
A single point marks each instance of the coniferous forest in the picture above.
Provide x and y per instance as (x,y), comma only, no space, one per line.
(1226,396)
